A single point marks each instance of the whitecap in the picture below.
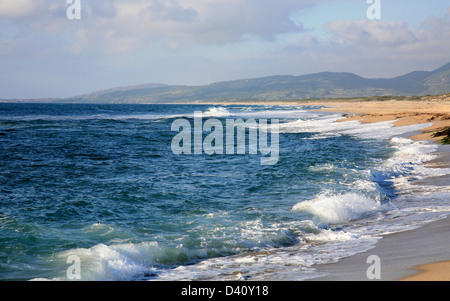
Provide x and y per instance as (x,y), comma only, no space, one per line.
(339,208)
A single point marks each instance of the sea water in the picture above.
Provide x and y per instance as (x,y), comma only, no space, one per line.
(101,184)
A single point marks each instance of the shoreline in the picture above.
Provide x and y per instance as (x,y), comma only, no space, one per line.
(421,254)
(402,113)
(402,256)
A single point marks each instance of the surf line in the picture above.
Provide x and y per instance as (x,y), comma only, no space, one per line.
(235,137)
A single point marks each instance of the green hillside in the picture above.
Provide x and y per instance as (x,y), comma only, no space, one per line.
(319,85)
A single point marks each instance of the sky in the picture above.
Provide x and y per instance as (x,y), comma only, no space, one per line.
(46,53)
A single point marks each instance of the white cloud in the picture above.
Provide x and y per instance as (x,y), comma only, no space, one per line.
(171,11)
(373,33)
(433,35)
(199,41)
(21,8)
(124,26)
(379,48)
(115,26)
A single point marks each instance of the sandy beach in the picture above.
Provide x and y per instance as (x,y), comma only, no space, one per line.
(417,255)
(403,112)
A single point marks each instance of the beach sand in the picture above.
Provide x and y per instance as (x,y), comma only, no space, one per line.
(402,112)
(402,255)
(422,254)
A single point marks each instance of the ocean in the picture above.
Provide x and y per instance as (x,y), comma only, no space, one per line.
(97,192)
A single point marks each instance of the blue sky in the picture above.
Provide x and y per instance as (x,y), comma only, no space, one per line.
(130,42)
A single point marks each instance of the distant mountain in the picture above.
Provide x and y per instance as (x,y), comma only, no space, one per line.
(319,85)
(123,89)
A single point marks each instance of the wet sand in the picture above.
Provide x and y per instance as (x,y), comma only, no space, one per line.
(401,255)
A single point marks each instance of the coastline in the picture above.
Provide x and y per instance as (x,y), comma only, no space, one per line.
(402,256)
(422,254)
(402,112)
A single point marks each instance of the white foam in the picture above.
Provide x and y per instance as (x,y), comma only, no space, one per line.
(275,114)
(216,112)
(328,125)
(410,152)
(317,125)
(125,261)
(338,208)
(383,130)
(406,166)
(322,167)
(256,113)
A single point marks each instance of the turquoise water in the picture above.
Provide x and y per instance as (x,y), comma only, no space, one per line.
(101,182)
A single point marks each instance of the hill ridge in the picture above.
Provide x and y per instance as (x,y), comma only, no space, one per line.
(278,87)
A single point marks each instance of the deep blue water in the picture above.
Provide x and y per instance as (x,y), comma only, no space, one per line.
(101,182)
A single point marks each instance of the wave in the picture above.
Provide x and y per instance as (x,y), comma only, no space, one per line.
(147,260)
(329,208)
(330,125)
(267,112)
(216,112)
(406,167)
(121,261)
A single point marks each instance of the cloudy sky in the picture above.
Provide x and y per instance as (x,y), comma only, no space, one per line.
(129,42)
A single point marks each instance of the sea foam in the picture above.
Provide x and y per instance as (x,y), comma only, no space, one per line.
(331,208)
